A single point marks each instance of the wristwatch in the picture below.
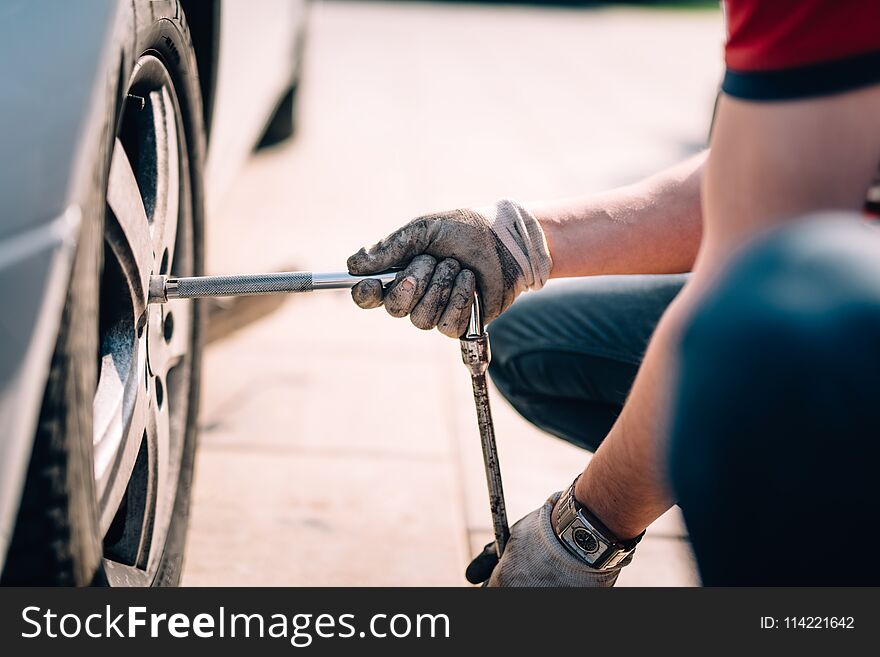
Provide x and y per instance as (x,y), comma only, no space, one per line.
(586,537)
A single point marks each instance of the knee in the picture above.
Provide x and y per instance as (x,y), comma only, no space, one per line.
(797,312)
(800,295)
(780,358)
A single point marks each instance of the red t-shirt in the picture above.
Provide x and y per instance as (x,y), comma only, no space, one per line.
(784,49)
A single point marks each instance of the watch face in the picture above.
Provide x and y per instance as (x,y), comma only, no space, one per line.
(585,540)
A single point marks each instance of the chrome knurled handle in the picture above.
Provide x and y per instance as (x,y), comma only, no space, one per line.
(218,286)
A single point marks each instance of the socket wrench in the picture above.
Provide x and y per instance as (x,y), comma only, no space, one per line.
(165,288)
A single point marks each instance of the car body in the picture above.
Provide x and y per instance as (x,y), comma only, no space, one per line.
(58,57)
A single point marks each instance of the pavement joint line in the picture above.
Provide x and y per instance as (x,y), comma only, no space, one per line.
(326,452)
(360,352)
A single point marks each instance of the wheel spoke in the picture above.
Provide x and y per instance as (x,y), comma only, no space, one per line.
(129,235)
(164,220)
(121,418)
(158,447)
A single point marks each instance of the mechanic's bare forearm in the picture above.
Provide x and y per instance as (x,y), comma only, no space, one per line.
(625,482)
(651,227)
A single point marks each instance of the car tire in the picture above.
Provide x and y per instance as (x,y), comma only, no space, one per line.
(58,537)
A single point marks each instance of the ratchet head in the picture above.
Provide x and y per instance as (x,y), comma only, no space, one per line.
(475,327)
(475,353)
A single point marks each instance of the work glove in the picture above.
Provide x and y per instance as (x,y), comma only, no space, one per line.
(535,557)
(500,250)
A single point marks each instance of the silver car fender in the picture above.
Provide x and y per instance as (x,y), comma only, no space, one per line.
(62,66)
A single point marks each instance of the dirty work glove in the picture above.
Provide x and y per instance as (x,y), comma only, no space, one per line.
(501,250)
(535,557)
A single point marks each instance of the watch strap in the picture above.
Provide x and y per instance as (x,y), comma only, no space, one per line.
(569,511)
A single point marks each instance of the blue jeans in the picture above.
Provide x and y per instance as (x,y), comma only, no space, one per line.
(565,357)
(773,445)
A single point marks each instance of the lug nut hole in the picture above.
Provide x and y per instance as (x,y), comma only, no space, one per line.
(168,327)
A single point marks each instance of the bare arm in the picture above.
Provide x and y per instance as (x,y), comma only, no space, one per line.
(769,164)
(653,226)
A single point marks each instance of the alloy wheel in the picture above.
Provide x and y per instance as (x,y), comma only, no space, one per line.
(141,403)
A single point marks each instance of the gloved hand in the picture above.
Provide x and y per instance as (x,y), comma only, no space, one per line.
(535,557)
(501,250)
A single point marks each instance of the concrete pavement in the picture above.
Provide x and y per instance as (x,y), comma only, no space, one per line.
(310,471)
